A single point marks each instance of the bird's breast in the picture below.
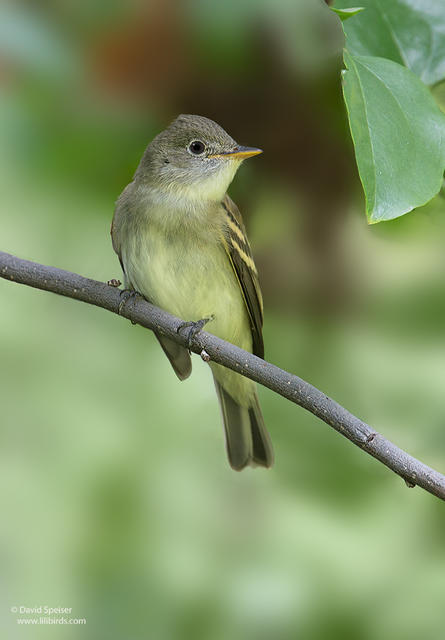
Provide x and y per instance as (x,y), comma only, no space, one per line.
(188,273)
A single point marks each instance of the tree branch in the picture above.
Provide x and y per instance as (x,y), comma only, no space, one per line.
(289,386)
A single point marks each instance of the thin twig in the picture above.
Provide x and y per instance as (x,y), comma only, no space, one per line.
(292,387)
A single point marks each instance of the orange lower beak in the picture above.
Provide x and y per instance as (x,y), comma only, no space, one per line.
(239,152)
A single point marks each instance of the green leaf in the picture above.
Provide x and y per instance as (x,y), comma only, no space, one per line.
(344,14)
(410,32)
(398,133)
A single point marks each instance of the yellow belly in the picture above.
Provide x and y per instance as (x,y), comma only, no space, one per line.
(190,280)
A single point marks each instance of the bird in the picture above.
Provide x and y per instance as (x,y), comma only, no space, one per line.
(182,245)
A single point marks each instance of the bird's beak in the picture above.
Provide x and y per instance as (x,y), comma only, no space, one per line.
(239,152)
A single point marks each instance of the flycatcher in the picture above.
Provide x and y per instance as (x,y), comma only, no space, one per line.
(182,244)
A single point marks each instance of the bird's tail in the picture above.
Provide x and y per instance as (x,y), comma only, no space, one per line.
(247,439)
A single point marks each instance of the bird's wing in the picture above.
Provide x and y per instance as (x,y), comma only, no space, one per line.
(120,212)
(238,249)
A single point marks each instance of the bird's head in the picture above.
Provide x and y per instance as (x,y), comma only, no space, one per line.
(194,157)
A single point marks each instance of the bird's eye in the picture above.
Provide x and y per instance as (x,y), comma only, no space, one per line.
(197,147)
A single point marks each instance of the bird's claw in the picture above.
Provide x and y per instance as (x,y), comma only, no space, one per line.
(195,328)
(126,295)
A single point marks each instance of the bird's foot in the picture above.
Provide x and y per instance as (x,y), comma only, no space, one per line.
(114,283)
(195,328)
(127,295)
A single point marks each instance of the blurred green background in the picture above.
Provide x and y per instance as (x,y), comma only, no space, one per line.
(116,496)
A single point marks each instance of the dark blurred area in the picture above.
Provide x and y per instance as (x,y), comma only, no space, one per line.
(116,496)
